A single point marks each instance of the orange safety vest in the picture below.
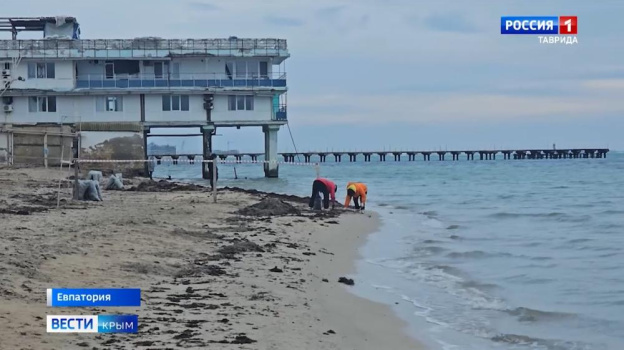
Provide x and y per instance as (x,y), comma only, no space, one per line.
(360,191)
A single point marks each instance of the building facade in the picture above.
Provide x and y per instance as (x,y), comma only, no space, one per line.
(106,89)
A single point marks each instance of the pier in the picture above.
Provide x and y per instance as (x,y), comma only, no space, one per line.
(397,156)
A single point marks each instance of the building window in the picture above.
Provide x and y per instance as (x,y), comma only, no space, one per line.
(175,103)
(41,70)
(240,102)
(42,104)
(109,104)
(241,69)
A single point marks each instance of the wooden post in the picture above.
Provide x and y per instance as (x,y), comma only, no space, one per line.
(214,179)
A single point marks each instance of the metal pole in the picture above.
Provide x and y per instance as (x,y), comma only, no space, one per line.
(214,179)
(45,150)
(58,195)
(76,171)
(76,178)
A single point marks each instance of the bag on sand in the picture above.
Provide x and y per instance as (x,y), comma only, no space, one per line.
(317,203)
(114,183)
(89,190)
(95,175)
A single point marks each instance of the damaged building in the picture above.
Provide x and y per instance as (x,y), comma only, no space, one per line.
(112,93)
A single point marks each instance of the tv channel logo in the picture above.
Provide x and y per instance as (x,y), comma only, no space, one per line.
(92,323)
(552,25)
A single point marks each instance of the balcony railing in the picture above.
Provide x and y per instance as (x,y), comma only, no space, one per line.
(280,114)
(138,81)
(142,47)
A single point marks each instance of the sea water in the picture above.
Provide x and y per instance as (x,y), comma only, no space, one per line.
(503,254)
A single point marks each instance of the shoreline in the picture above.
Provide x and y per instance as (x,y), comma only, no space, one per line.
(208,274)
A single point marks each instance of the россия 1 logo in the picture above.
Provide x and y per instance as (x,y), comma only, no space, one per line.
(564,26)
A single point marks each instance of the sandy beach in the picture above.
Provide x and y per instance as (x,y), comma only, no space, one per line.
(253,271)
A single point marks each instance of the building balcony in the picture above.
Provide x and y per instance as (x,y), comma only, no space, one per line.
(280,113)
(147,81)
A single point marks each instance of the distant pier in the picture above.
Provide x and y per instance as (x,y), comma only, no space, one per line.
(397,156)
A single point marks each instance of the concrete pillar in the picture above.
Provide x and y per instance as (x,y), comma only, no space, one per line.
(270,150)
(207,132)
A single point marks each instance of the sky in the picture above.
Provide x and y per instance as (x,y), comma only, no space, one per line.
(402,74)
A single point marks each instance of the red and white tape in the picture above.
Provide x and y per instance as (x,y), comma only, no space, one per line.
(169,160)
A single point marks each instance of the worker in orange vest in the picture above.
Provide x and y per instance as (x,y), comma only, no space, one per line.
(358,192)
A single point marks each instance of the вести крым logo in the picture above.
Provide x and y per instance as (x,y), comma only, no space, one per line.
(551,29)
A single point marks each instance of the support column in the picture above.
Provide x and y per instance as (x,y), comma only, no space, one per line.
(145,166)
(207,132)
(270,150)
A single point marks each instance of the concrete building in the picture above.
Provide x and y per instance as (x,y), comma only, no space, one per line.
(107,90)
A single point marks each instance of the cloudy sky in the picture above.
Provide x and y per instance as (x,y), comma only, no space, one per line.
(368,74)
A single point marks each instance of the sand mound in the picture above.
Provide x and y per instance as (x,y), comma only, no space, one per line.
(270,207)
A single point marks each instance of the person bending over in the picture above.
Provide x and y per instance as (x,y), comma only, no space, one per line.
(358,192)
(329,192)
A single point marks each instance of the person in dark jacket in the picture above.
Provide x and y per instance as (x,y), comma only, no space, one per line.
(328,188)
(212,167)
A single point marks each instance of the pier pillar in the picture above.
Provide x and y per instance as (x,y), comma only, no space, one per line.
(322,157)
(337,157)
(175,159)
(158,160)
(254,158)
(397,157)
(306,158)
(270,150)
(426,156)
(238,158)
(493,156)
(191,159)
(367,157)
(382,157)
(352,157)
(207,132)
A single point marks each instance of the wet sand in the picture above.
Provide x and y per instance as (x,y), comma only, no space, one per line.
(253,271)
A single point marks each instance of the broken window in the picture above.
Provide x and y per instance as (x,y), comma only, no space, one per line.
(41,70)
(109,68)
(109,104)
(42,104)
(229,69)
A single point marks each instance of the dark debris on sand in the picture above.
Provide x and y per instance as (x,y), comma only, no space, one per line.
(270,207)
(347,281)
(166,186)
(283,197)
